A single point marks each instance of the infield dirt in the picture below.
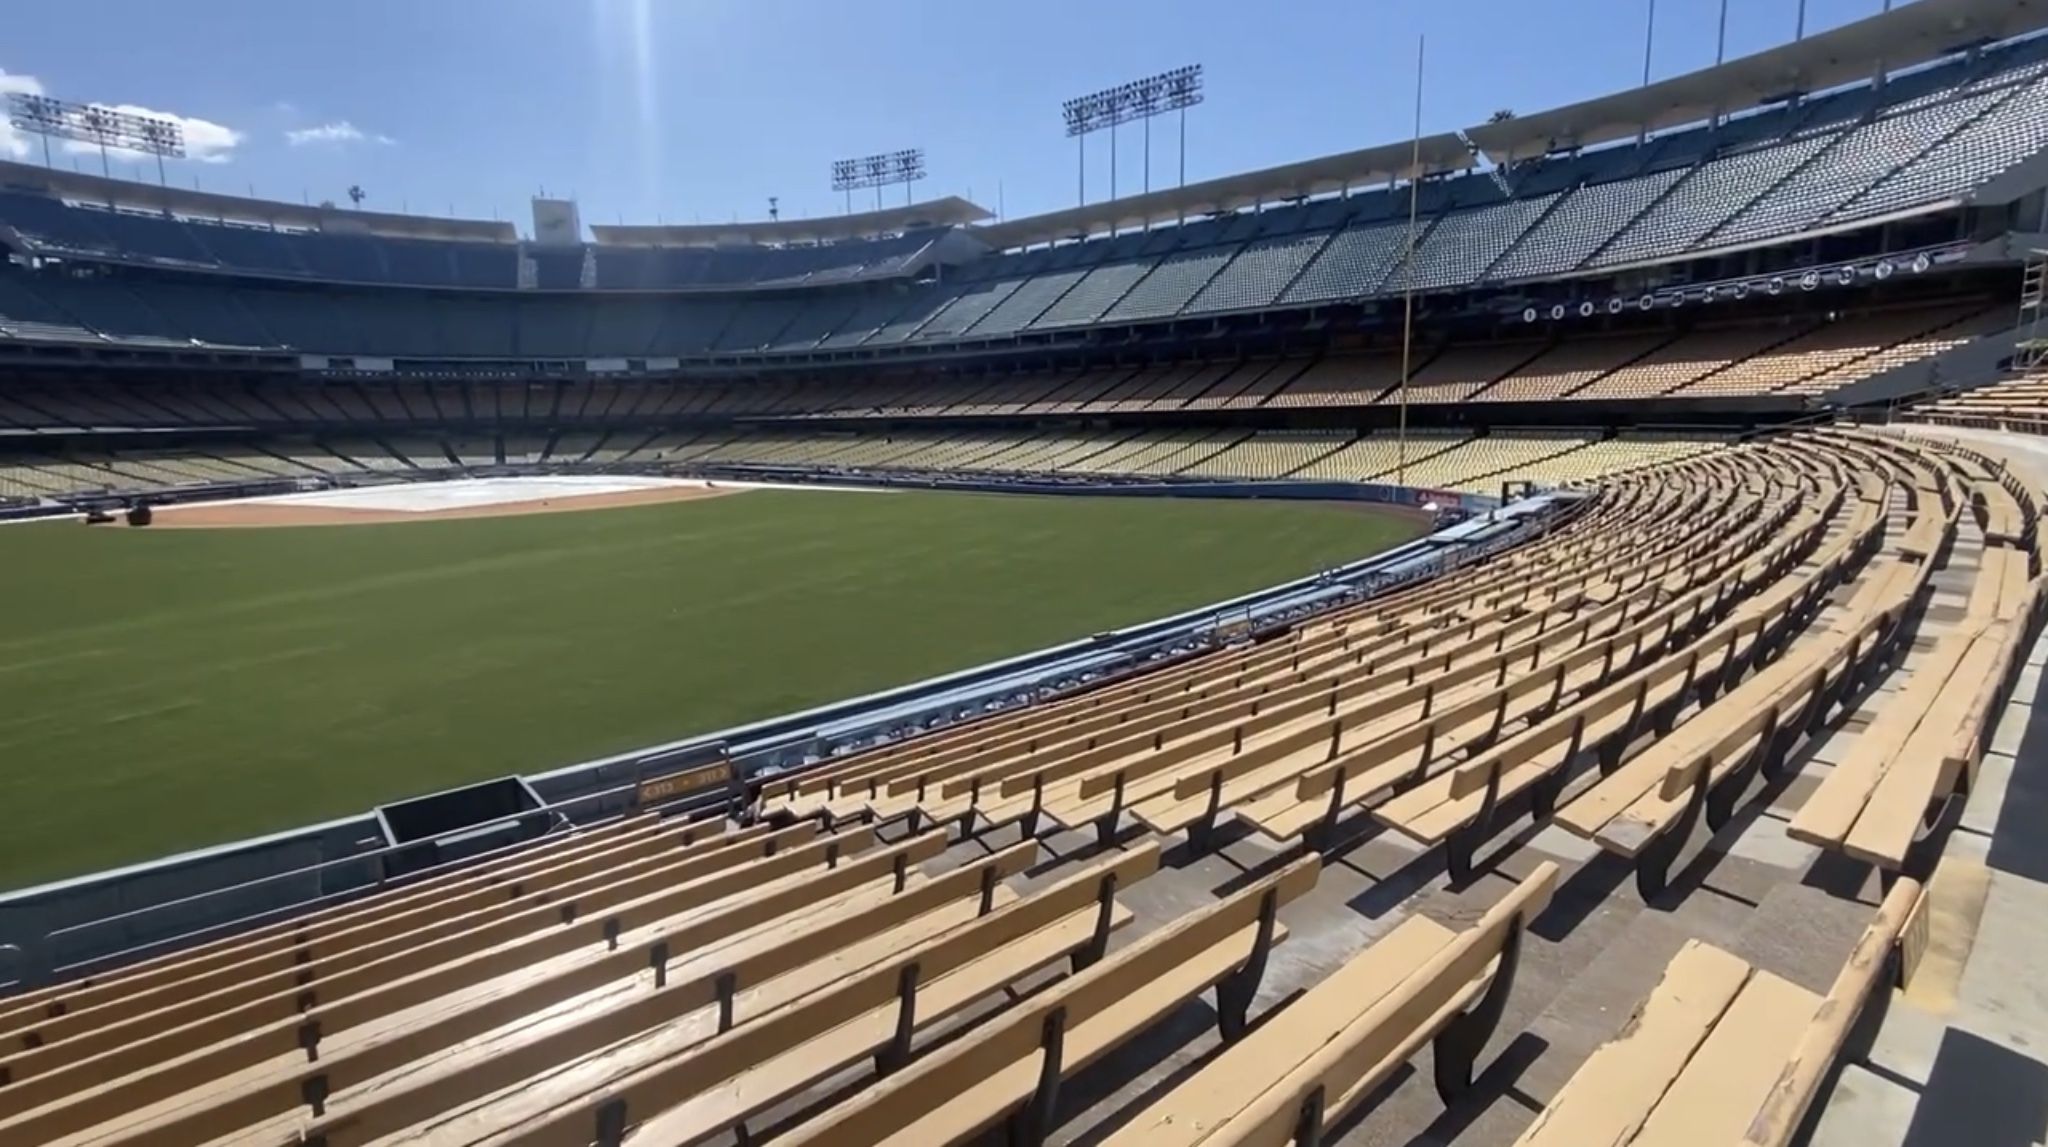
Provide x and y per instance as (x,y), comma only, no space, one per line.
(230,515)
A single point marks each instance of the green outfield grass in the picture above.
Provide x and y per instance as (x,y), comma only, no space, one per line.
(167,689)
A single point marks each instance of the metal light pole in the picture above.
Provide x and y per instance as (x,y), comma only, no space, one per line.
(1408,272)
(1113,122)
(1649,40)
(1177,90)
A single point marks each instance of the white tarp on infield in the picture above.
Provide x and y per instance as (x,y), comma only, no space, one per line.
(431,497)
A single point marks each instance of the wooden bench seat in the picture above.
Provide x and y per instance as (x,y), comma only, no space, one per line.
(1318,799)
(61,1092)
(1723,1052)
(525,866)
(1647,806)
(1558,662)
(361,938)
(434,1057)
(1829,815)
(1888,799)
(858,769)
(1936,765)
(963,781)
(1011,1065)
(1460,702)
(2004,588)
(700,1094)
(2000,514)
(1304,1068)
(256,996)
(1462,806)
(1600,715)
(1358,709)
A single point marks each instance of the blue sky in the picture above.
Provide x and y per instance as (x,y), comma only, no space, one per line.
(700,109)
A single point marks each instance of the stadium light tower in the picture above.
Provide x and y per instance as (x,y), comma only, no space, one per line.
(96,124)
(1177,90)
(878,171)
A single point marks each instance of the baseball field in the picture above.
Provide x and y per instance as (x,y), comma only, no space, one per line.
(165,689)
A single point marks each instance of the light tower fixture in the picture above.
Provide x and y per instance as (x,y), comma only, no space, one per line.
(1142,100)
(96,124)
(878,171)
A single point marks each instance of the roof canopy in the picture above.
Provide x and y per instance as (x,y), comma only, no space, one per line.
(135,196)
(1907,35)
(1351,169)
(1910,34)
(948,211)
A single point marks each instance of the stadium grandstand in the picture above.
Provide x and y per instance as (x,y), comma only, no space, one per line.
(1656,793)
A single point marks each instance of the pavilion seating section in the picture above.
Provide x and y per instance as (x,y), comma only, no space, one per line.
(821,960)
(2016,403)
(1733,602)
(1910,771)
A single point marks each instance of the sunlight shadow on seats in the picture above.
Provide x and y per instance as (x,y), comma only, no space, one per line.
(1493,1085)
(1580,895)
(1100,1080)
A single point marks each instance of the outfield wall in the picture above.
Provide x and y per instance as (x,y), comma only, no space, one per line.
(74,926)
(1167,487)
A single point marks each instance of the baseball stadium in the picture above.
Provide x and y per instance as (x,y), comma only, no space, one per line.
(1518,635)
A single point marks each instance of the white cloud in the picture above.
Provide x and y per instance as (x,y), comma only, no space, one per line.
(340,133)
